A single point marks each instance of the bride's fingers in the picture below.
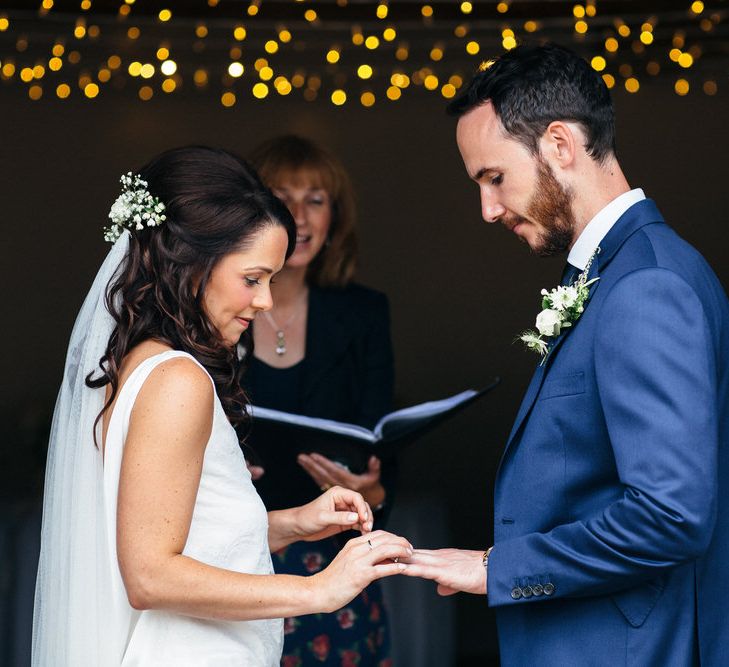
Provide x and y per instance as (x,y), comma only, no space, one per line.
(388,551)
(351,500)
(338,518)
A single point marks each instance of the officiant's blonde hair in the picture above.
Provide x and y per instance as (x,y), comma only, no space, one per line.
(297,160)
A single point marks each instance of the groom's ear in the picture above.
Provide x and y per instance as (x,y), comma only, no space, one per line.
(560,142)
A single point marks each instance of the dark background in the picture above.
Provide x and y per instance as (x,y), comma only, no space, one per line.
(460,290)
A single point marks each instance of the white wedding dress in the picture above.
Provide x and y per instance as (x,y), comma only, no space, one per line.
(229,529)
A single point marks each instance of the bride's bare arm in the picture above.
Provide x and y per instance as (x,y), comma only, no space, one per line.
(169,428)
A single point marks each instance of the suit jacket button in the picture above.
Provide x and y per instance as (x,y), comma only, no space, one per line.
(527,591)
(538,590)
(515,593)
(548,589)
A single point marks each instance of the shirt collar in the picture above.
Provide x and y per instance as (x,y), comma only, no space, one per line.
(600,225)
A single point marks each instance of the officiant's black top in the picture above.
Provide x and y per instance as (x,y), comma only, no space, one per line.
(346,375)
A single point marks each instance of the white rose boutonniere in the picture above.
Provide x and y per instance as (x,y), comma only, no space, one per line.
(561,308)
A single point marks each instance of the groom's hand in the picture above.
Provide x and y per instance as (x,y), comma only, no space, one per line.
(454,570)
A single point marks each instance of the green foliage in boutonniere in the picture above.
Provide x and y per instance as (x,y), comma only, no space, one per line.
(561,308)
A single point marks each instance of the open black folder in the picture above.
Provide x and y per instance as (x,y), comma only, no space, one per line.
(349,444)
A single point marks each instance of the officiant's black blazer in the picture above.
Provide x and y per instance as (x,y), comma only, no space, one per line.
(347,375)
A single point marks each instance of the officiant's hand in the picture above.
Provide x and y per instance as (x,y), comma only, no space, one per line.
(454,570)
(327,473)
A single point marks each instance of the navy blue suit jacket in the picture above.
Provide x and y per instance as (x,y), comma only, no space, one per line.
(611,517)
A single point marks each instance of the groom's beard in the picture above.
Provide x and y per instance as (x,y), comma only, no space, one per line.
(551,207)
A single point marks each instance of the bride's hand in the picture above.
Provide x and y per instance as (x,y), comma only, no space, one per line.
(362,560)
(335,511)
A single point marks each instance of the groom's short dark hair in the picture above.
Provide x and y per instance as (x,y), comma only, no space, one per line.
(532,86)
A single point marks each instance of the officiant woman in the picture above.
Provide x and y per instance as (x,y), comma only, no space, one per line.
(323,350)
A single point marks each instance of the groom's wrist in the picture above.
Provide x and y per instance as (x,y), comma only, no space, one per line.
(485,561)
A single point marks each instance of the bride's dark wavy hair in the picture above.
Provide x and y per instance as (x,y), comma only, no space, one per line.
(215,204)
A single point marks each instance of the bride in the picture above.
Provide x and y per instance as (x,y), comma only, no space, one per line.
(155,545)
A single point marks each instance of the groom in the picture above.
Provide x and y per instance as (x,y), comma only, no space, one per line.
(612,497)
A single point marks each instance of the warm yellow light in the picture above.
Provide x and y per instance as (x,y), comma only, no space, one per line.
(133,32)
(297,80)
(74,57)
(598,63)
(265,73)
(624,30)
(364,71)
(609,80)
(653,68)
(63,90)
(271,46)
(367,99)
(357,38)
(227,99)
(124,10)
(169,85)
(431,82)
(26,75)
(104,75)
(168,67)
(646,37)
(472,48)
(632,85)
(393,93)
(530,26)
(47,4)
(314,82)
(456,81)
(507,32)
(86,5)
(402,53)
(611,44)
(502,7)
(674,54)
(710,87)
(310,15)
(372,42)
(8,70)
(163,53)
(201,31)
(146,93)
(685,60)
(165,15)
(448,91)
(91,90)
(79,31)
(236,69)
(460,31)
(200,78)
(581,27)
(147,71)
(252,10)
(678,40)
(578,11)
(647,27)
(426,11)
(282,85)
(94,31)
(260,64)
(436,53)
(58,50)
(466,7)
(332,56)
(681,87)
(697,7)
(114,62)
(706,25)
(54,64)
(591,10)
(239,33)
(339,97)
(35,92)
(389,34)
(284,36)
(4,24)
(382,11)
(508,43)
(400,80)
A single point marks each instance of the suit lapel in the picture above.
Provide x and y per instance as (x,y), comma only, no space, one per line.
(327,337)
(643,213)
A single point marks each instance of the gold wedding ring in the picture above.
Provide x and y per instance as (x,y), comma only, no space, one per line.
(325,487)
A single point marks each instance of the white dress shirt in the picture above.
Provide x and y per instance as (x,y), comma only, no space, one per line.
(600,225)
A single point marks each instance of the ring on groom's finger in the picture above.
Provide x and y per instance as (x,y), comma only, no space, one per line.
(372,546)
(325,487)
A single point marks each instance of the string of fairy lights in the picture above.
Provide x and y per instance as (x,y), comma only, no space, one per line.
(343,51)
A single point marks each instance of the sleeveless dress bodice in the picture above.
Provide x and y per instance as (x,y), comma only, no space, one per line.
(229,530)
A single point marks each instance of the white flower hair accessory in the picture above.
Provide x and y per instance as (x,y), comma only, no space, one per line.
(134,208)
(561,308)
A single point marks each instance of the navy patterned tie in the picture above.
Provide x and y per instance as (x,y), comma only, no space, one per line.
(569,275)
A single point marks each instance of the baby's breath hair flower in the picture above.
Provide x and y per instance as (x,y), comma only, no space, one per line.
(134,208)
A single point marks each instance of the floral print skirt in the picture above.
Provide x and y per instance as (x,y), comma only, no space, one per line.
(355,636)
